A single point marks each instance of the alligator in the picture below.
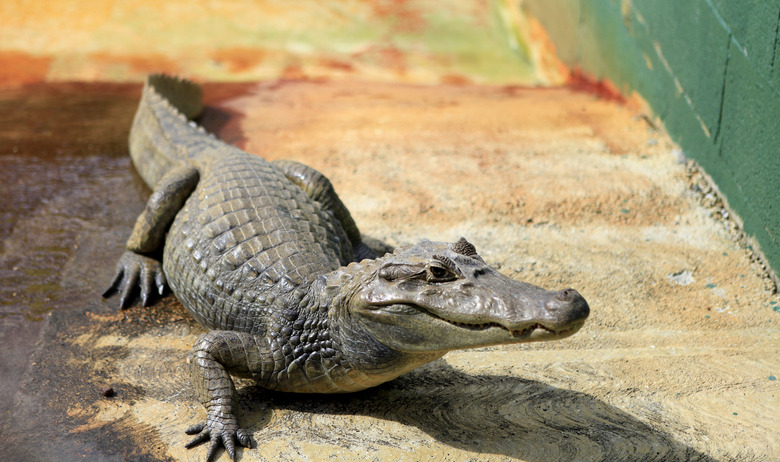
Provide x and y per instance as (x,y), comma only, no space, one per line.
(267,257)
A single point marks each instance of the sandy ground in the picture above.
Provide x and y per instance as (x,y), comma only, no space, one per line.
(678,360)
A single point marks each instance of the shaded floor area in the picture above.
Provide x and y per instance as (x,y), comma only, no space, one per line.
(678,360)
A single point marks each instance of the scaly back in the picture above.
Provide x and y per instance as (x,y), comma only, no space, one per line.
(247,241)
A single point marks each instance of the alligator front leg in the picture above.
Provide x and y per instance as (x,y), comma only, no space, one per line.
(215,356)
(138,265)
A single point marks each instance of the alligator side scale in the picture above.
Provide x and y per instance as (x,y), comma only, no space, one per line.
(266,256)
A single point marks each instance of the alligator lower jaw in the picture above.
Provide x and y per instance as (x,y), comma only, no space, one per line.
(531,332)
(497,331)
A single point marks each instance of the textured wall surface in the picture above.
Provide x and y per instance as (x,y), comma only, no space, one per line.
(422,41)
(710,69)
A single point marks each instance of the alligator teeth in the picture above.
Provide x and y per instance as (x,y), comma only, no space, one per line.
(476,326)
(514,333)
(520,333)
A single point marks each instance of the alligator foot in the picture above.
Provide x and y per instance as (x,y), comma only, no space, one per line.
(219,429)
(136,270)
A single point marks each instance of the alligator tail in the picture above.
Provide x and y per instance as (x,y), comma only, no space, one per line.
(161,135)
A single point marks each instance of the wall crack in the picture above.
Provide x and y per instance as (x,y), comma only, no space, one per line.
(774,48)
(716,138)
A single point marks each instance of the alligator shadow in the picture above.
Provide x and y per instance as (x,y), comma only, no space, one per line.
(492,414)
(224,124)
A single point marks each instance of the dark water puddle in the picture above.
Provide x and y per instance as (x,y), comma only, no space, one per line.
(67,185)
(57,145)
(68,199)
(66,190)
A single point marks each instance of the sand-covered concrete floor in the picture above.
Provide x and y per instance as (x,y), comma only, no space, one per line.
(678,360)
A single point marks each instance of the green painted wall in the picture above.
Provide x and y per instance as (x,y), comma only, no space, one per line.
(710,69)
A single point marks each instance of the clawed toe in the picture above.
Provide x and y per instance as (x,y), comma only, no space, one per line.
(243,438)
(136,273)
(200,438)
(197,428)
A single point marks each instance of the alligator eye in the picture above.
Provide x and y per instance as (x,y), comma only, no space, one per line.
(438,273)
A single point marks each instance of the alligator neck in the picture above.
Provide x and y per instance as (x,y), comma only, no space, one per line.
(369,361)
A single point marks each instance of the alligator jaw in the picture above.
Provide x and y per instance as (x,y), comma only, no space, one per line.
(526,331)
(414,328)
(533,332)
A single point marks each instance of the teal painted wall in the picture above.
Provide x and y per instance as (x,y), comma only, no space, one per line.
(710,69)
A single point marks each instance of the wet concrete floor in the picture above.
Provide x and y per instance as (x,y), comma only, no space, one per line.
(68,193)
(66,187)
(677,362)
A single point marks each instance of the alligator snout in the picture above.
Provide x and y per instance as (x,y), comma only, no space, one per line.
(566,308)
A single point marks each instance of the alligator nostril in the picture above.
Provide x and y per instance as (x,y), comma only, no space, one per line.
(566,295)
(568,306)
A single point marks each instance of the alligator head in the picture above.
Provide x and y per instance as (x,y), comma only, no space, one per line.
(436,297)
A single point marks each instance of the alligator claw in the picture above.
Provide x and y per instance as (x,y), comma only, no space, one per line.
(160,282)
(114,283)
(218,434)
(135,270)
